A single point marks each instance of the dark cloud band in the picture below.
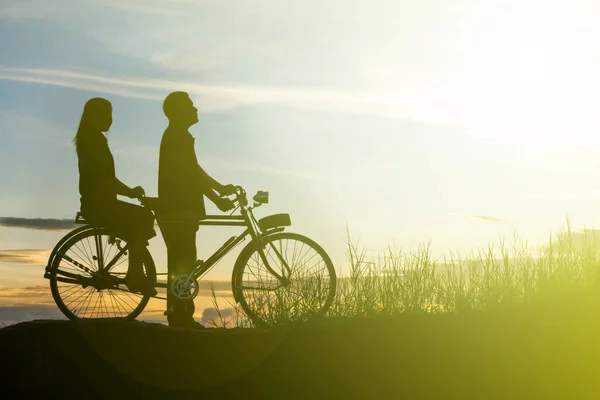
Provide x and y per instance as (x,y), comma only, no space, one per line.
(44,224)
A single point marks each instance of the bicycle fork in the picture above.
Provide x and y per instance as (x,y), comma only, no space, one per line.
(282,279)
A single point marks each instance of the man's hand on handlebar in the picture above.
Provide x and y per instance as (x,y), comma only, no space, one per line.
(224,204)
(227,190)
(137,192)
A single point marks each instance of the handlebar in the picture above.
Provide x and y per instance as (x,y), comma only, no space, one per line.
(240,196)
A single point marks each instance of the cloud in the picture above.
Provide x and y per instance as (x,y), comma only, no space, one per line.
(17,292)
(59,9)
(44,224)
(31,295)
(24,256)
(480,217)
(222,163)
(227,317)
(218,97)
(486,218)
(141,7)
(562,196)
(33,9)
(78,82)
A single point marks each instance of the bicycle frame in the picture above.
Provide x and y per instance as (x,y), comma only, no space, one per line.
(246,219)
(219,220)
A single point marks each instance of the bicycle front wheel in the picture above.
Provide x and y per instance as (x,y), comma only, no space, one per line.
(83,289)
(286,277)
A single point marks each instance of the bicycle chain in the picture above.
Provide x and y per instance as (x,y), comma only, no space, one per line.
(78,264)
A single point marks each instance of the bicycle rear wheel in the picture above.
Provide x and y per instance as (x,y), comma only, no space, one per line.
(81,291)
(308,270)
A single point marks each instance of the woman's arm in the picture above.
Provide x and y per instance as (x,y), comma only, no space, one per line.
(96,166)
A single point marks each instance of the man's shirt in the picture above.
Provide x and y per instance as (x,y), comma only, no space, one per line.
(181,182)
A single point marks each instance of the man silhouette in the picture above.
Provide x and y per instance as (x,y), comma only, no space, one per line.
(182,185)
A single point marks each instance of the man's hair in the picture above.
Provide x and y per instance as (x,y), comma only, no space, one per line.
(172,103)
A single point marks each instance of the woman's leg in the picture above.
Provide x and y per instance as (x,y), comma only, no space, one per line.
(134,224)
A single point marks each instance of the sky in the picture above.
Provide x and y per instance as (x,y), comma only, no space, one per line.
(454,122)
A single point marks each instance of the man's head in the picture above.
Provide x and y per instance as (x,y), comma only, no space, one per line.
(180,110)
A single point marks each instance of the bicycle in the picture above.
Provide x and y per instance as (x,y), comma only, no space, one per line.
(270,285)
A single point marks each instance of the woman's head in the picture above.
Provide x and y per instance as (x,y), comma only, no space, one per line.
(96,117)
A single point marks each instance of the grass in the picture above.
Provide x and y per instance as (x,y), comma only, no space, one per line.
(396,283)
(222,321)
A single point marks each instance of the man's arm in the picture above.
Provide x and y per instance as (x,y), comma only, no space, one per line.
(223,203)
(209,185)
(210,182)
(123,189)
(212,195)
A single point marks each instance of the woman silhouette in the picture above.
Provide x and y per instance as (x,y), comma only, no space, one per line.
(99,188)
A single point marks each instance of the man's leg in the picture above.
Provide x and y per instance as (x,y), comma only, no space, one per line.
(180,239)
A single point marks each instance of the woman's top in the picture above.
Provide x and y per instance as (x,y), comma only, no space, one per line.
(97,180)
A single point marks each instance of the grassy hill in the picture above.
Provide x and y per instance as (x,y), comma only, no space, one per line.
(513,325)
(536,350)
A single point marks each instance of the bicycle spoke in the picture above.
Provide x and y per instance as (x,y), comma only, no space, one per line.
(83,295)
(110,298)
(83,256)
(98,298)
(76,267)
(118,302)
(89,247)
(86,295)
(73,290)
(120,262)
(104,309)
(129,296)
(114,262)
(88,301)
